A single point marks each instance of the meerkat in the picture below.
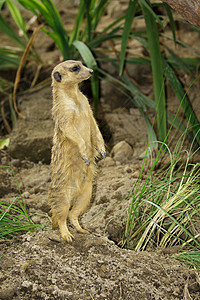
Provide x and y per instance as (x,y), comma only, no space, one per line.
(77,142)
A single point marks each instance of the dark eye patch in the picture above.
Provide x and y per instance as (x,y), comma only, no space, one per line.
(75,69)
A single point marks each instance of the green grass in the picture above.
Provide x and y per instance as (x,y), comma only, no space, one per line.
(14,218)
(192,259)
(165,207)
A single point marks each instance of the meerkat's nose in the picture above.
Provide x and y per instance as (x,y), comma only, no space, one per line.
(91,71)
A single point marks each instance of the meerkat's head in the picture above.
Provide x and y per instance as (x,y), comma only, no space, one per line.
(70,72)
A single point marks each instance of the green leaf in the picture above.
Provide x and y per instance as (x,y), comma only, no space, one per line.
(185,63)
(78,23)
(184,101)
(179,62)
(153,141)
(4,143)
(91,63)
(2,3)
(52,17)
(140,100)
(8,59)
(171,20)
(127,27)
(145,4)
(17,17)
(98,11)
(6,29)
(157,67)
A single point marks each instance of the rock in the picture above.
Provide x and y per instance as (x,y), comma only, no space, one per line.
(7,291)
(122,152)
(16,162)
(26,195)
(107,162)
(32,136)
(127,169)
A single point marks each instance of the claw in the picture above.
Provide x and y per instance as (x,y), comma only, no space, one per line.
(103,154)
(86,160)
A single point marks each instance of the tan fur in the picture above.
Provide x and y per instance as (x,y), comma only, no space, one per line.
(77,142)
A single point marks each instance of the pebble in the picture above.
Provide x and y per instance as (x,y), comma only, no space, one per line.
(127,169)
(107,162)
(26,284)
(26,195)
(16,162)
(7,292)
(122,152)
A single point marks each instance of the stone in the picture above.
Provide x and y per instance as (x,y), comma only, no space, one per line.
(122,152)
(32,136)
(107,162)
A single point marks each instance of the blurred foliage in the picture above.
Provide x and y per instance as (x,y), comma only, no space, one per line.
(84,41)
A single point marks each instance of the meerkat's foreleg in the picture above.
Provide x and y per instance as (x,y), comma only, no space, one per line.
(80,205)
(98,138)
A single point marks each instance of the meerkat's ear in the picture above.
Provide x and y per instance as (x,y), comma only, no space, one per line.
(57,76)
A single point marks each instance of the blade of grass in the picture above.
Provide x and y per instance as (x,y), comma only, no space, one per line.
(98,11)
(78,23)
(144,100)
(17,16)
(91,63)
(6,29)
(157,67)
(190,258)
(8,60)
(179,62)
(182,97)
(52,17)
(171,20)
(146,5)
(127,27)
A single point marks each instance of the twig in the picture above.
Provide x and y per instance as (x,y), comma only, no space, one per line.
(17,78)
(36,76)
(8,128)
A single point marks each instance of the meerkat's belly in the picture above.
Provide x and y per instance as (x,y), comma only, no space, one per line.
(82,124)
(66,154)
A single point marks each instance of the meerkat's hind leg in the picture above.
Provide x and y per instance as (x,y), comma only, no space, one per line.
(59,219)
(80,205)
(54,219)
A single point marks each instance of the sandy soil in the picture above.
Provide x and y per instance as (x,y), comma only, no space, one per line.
(39,265)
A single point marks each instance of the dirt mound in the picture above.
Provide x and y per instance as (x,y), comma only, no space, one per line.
(41,266)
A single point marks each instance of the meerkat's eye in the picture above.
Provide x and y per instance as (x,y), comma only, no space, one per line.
(75,69)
